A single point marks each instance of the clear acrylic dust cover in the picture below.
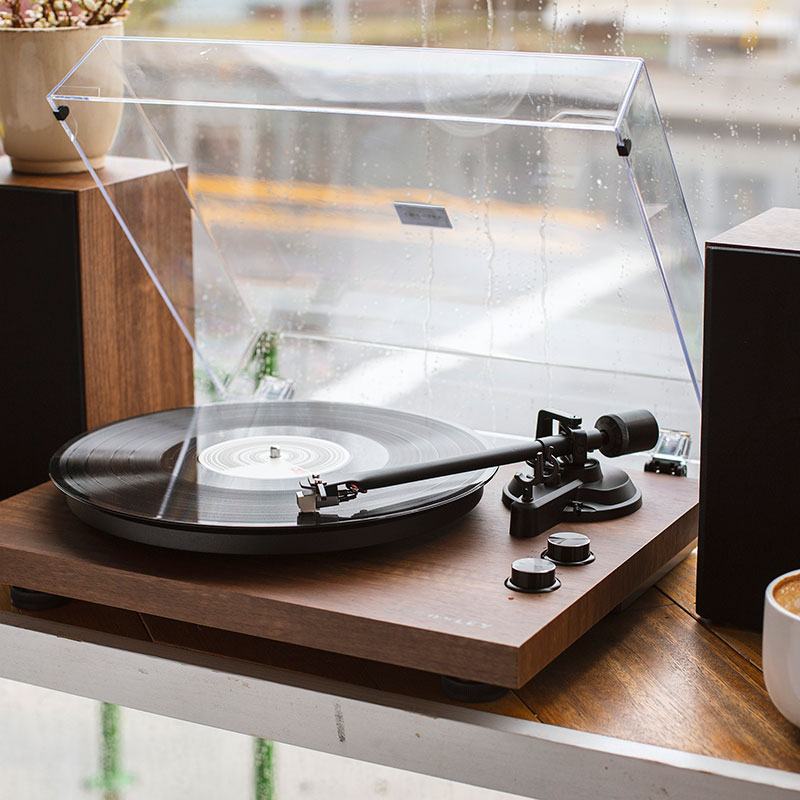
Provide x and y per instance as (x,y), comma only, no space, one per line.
(470,235)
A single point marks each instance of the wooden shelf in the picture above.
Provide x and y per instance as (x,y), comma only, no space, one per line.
(651,674)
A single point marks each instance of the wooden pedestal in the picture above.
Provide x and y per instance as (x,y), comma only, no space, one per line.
(86,339)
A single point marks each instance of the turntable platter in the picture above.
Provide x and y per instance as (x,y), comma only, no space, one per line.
(222,478)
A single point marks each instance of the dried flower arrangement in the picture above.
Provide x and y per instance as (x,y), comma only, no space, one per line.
(60,13)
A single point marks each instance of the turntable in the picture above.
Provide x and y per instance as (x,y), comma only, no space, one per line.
(394,276)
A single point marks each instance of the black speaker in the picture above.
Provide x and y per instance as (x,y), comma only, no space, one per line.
(750,451)
(41,351)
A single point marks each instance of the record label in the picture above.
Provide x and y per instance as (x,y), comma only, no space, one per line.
(274,457)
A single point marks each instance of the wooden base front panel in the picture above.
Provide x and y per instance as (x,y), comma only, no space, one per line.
(438,604)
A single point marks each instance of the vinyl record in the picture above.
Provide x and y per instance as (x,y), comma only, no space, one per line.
(223,478)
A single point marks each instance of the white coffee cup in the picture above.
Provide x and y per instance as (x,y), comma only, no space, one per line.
(781,644)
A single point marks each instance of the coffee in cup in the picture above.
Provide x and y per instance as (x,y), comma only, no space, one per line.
(787,593)
(781,644)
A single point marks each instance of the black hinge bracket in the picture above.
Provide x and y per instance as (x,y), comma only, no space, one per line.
(624,149)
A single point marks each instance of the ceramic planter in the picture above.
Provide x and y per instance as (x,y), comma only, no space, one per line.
(32,62)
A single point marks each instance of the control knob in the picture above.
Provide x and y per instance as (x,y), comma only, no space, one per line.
(568,548)
(533,575)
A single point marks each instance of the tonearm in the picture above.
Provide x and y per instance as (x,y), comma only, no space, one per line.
(564,483)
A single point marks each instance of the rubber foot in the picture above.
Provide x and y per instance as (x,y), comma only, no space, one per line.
(31,600)
(471,691)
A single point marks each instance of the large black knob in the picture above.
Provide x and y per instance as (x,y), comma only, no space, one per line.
(627,432)
(533,575)
(569,548)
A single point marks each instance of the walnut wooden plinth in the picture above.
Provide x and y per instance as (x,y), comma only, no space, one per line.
(438,604)
(88,339)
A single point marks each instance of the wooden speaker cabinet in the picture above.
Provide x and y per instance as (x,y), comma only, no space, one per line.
(750,454)
(86,338)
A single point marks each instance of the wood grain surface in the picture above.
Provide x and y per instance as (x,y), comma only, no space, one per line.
(679,586)
(438,604)
(5,598)
(136,359)
(656,675)
(116,170)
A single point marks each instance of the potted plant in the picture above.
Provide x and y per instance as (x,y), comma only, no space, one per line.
(39,43)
